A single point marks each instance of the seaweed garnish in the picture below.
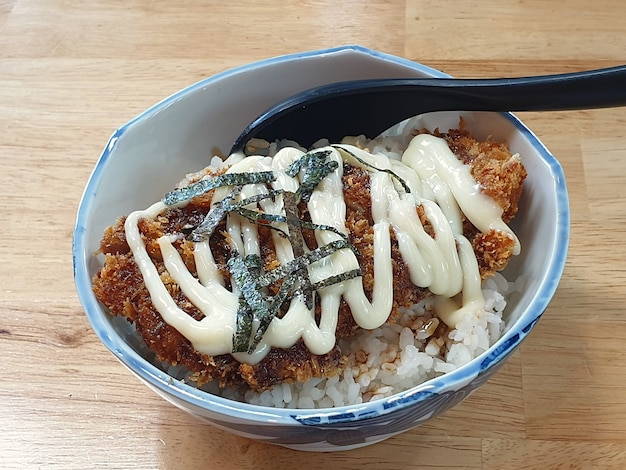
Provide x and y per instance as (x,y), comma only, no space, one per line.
(369,165)
(213,218)
(315,167)
(266,219)
(289,269)
(276,301)
(265,295)
(257,308)
(205,229)
(245,314)
(244,328)
(222,208)
(227,179)
(253,303)
(335,279)
(297,243)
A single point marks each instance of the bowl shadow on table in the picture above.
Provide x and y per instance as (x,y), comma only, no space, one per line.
(186,446)
(453,437)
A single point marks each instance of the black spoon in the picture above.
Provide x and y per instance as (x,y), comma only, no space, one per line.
(370,107)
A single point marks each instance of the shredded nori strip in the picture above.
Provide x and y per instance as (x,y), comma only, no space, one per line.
(284,293)
(301,262)
(204,231)
(336,279)
(244,327)
(305,160)
(253,303)
(261,217)
(369,165)
(226,179)
(258,216)
(297,243)
(315,167)
(245,315)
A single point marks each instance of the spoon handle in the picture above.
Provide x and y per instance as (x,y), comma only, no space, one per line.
(370,107)
(579,90)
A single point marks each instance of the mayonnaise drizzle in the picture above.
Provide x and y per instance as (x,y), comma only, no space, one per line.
(445,264)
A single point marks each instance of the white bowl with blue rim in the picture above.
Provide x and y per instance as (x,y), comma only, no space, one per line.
(147,156)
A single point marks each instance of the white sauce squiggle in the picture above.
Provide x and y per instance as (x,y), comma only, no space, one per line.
(445,264)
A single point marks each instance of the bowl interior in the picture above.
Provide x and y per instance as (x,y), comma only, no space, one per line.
(150,154)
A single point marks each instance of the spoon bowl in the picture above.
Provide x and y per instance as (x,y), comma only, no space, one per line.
(371,106)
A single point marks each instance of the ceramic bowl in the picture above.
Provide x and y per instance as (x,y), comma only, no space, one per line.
(147,156)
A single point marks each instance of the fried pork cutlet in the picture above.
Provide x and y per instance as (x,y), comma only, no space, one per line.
(119,284)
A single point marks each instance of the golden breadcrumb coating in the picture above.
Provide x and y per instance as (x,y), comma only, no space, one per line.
(119,284)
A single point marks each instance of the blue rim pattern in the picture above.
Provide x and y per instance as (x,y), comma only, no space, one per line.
(450,385)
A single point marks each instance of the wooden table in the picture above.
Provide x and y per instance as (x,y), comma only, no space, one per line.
(71,72)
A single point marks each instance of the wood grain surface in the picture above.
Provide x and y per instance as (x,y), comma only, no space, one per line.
(71,72)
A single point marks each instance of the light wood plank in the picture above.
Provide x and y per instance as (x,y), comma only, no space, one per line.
(72,72)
